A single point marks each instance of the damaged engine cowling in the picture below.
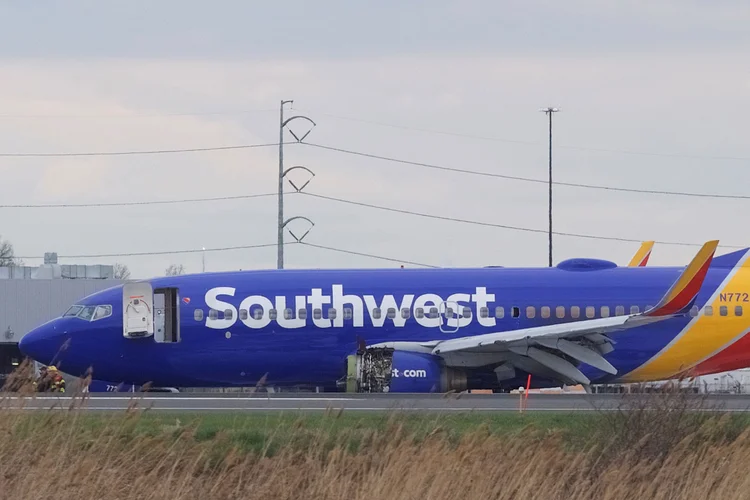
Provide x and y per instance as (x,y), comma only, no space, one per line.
(389,370)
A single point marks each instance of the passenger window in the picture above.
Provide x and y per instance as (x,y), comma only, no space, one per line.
(258,313)
(467,312)
(391,313)
(348,314)
(332,313)
(405,313)
(516,311)
(605,311)
(227,314)
(419,312)
(738,310)
(590,312)
(484,312)
(500,312)
(694,311)
(530,311)
(272,314)
(317,313)
(198,315)
(243,314)
(302,314)
(723,310)
(213,314)
(560,311)
(708,311)
(620,311)
(376,313)
(287,313)
(634,309)
(434,312)
(545,312)
(449,312)
(575,312)
(102,312)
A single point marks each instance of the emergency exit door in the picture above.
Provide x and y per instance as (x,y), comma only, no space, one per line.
(137,310)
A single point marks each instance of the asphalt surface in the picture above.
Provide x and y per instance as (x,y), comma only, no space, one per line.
(366,402)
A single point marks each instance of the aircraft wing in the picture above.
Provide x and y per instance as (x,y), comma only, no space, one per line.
(540,350)
(640,259)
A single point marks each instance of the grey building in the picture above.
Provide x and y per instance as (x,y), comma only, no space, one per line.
(31,296)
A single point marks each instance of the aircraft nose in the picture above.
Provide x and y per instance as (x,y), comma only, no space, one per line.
(44,343)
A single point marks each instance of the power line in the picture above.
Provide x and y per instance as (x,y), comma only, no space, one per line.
(143,115)
(138,203)
(524,179)
(500,226)
(241,247)
(536,143)
(430,131)
(372,256)
(163,252)
(142,152)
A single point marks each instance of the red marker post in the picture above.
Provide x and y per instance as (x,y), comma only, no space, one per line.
(528,385)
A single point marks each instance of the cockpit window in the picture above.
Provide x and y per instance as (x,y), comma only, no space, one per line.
(73,311)
(102,312)
(87,313)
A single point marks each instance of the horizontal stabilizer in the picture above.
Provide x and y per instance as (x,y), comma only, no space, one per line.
(640,259)
(682,294)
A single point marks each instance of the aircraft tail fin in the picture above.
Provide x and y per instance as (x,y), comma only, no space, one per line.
(640,259)
(732,259)
(681,295)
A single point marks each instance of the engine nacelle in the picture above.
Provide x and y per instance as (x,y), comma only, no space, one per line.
(389,370)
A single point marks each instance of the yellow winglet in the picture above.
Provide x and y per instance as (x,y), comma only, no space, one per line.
(681,295)
(641,256)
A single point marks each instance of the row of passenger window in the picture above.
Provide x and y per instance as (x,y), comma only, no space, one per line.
(545,312)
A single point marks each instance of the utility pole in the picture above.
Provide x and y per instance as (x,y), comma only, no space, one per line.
(548,112)
(280,227)
(281,223)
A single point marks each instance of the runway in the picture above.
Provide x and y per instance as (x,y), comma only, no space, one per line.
(364,402)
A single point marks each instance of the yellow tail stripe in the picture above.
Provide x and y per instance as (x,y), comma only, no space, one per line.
(703,255)
(641,254)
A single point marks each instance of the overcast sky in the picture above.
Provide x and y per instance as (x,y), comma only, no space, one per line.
(670,81)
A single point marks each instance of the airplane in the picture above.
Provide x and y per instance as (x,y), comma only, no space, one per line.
(584,321)
(640,259)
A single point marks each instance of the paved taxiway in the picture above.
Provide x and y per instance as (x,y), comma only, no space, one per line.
(357,402)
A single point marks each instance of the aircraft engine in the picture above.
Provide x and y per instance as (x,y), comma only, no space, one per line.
(389,370)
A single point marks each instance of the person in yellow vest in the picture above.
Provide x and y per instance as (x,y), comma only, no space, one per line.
(57,382)
(50,380)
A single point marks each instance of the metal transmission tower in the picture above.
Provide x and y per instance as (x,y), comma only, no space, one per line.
(548,112)
(282,223)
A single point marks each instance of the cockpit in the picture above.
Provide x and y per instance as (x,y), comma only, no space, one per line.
(88,313)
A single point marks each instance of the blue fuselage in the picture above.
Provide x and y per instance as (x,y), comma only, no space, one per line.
(236,328)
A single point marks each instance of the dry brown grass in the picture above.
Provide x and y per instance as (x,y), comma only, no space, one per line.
(62,455)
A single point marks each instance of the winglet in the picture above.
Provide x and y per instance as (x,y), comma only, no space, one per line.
(641,256)
(681,295)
